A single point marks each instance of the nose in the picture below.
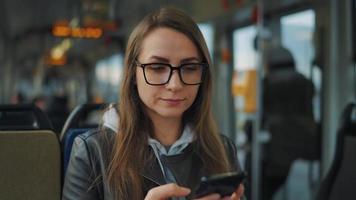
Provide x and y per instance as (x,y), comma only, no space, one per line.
(175,83)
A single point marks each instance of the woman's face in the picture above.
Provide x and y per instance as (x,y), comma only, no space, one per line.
(169,101)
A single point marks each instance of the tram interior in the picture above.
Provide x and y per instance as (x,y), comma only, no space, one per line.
(61,55)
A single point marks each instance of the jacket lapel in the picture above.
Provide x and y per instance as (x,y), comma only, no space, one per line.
(153,173)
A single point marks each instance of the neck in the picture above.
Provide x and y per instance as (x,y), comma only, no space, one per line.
(167,130)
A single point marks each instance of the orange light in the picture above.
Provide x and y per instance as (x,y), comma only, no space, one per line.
(49,60)
(78,32)
(61,31)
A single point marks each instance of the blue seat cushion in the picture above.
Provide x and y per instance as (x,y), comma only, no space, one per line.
(68,143)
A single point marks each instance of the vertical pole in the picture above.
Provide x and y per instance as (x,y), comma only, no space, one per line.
(331,84)
(256,150)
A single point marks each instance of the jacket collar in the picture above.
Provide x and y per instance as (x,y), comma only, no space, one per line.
(152,171)
(179,150)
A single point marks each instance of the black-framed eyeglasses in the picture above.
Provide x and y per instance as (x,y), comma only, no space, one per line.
(161,73)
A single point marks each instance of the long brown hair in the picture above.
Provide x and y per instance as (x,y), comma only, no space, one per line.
(130,147)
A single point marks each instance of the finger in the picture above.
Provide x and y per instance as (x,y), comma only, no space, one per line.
(234,197)
(167,191)
(214,196)
(238,193)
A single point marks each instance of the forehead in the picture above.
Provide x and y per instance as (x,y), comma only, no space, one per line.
(168,43)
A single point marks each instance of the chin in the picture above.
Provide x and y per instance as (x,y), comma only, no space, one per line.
(171,114)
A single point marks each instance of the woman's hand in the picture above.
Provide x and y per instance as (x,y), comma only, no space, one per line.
(235,196)
(167,191)
(173,190)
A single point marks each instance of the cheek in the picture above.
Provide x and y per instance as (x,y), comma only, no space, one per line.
(146,92)
(142,90)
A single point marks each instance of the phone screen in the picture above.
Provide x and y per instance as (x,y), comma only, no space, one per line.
(223,184)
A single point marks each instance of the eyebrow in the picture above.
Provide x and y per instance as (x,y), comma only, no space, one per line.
(163,59)
(159,58)
(190,59)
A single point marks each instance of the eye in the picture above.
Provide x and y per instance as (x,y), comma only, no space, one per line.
(191,67)
(158,68)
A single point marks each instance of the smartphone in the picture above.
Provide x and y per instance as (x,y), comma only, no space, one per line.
(224,184)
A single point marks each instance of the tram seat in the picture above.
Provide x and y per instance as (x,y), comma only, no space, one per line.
(68,143)
(30,165)
(288,110)
(78,122)
(340,181)
(288,117)
(29,154)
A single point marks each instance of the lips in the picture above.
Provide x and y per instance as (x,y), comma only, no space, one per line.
(173,101)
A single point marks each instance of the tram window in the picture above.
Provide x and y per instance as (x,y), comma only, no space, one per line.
(244,53)
(208,33)
(108,73)
(297,35)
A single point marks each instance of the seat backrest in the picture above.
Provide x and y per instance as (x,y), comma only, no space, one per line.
(345,180)
(23,117)
(68,143)
(287,92)
(288,116)
(79,118)
(77,123)
(340,180)
(30,165)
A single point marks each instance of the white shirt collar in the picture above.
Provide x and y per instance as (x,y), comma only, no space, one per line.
(110,120)
(178,146)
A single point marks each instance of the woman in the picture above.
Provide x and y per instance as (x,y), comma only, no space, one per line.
(165,139)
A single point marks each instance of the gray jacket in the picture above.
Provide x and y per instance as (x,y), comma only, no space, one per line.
(86,174)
